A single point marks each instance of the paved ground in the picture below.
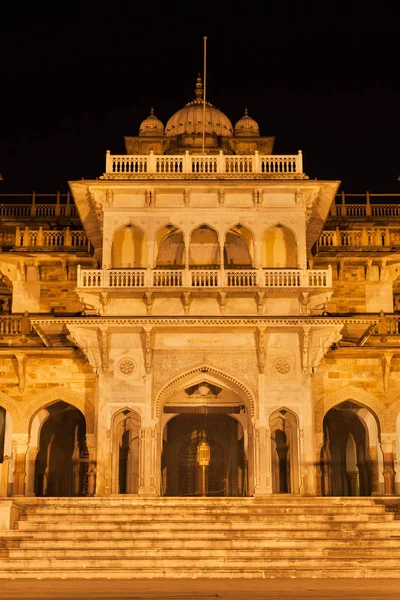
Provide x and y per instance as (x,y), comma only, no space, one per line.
(202,589)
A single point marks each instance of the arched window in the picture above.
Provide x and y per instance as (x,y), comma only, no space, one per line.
(238,249)
(171,247)
(279,248)
(204,248)
(128,248)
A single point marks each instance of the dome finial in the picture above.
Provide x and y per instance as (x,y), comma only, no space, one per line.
(246,114)
(199,87)
(152,111)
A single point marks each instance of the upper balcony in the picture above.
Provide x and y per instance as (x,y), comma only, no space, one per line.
(365,206)
(188,165)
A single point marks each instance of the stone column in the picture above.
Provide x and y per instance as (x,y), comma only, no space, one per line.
(319,449)
(91,446)
(20,445)
(30,475)
(308,484)
(4,470)
(373,465)
(388,442)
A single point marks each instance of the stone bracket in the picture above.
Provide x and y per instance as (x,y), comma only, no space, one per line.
(386,360)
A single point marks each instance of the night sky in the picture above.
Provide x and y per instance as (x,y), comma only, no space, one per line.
(75,81)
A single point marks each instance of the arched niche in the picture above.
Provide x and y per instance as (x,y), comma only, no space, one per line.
(284,452)
(204,248)
(348,461)
(170,247)
(279,248)
(129,248)
(125,452)
(62,461)
(238,248)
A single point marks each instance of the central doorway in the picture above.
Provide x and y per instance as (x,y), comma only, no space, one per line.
(226,474)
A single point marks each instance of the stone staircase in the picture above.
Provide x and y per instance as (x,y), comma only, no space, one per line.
(139,537)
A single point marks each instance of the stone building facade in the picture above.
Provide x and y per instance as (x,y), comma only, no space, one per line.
(203,289)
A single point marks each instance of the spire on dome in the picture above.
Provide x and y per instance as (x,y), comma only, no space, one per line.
(199,88)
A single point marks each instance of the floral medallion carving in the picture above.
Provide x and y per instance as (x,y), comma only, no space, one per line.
(126,366)
(282,366)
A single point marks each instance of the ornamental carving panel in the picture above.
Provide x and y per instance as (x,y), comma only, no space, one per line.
(126,366)
(282,366)
(241,365)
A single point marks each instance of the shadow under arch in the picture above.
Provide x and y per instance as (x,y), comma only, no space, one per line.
(62,460)
(170,244)
(239,247)
(128,247)
(125,451)
(285,452)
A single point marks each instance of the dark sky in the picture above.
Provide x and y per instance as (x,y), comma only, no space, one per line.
(75,79)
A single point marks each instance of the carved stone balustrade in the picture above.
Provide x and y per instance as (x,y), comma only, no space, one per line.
(268,166)
(342,239)
(382,206)
(203,278)
(43,239)
(27,205)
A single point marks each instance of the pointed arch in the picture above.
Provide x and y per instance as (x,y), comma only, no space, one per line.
(279,249)
(60,393)
(170,246)
(239,247)
(128,249)
(197,375)
(204,247)
(349,392)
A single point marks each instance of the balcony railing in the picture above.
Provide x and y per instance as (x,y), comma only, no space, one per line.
(37,205)
(63,239)
(375,236)
(203,278)
(370,205)
(269,165)
(14,324)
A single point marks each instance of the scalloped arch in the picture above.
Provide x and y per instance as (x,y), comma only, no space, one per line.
(349,392)
(280,224)
(124,226)
(60,393)
(165,225)
(121,410)
(223,378)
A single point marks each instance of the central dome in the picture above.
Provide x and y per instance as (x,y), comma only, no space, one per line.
(189,119)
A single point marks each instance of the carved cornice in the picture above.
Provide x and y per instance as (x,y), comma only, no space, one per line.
(201,321)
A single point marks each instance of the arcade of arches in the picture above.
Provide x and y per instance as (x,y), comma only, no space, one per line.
(351,461)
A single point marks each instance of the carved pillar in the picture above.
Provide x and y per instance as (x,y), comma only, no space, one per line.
(20,444)
(30,471)
(91,446)
(319,464)
(373,465)
(4,472)
(388,442)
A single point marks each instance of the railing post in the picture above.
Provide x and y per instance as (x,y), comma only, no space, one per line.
(257,162)
(40,237)
(387,236)
(221,162)
(344,205)
(25,324)
(26,237)
(67,237)
(364,237)
(17,237)
(33,206)
(329,277)
(336,237)
(58,205)
(78,276)
(299,162)
(368,206)
(151,162)
(68,206)
(186,162)
(108,162)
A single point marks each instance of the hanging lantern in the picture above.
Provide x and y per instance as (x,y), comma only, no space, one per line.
(203,453)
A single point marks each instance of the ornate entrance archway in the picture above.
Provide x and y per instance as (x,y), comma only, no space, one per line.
(206,411)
